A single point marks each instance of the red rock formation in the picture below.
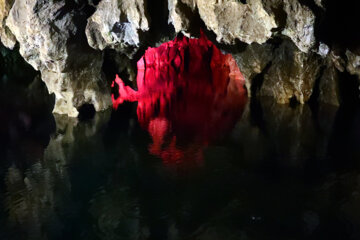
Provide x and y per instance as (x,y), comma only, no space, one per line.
(189,94)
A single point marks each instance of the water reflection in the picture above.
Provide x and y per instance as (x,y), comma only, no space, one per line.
(189,95)
(268,171)
(251,185)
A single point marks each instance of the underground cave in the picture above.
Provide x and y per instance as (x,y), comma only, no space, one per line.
(179,119)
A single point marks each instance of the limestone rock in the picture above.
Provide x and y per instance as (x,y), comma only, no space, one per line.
(353,63)
(6,37)
(329,86)
(319,3)
(229,20)
(299,25)
(253,60)
(78,86)
(118,25)
(292,74)
(323,50)
(329,90)
(51,42)
(182,15)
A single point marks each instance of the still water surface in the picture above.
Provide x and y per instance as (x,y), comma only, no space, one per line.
(190,159)
(279,172)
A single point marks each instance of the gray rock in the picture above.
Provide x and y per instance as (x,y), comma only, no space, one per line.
(6,37)
(319,3)
(51,42)
(292,74)
(329,92)
(329,86)
(299,25)
(353,63)
(229,20)
(323,50)
(116,24)
(253,60)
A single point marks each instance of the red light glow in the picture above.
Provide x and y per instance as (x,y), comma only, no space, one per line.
(189,95)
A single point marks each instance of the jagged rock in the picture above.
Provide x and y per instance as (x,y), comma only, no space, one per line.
(79,86)
(292,74)
(319,3)
(353,63)
(329,91)
(253,60)
(229,20)
(338,61)
(299,25)
(6,37)
(329,86)
(323,50)
(13,67)
(51,42)
(182,15)
(118,25)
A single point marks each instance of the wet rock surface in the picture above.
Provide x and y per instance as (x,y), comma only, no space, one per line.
(49,40)
(291,75)
(353,63)
(253,61)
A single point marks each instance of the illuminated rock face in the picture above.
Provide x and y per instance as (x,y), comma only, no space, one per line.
(189,94)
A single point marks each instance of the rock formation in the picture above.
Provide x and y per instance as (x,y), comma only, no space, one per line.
(299,25)
(280,43)
(353,63)
(50,41)
(229,20)
(253,60)
(292,74)
(329,89)
(6,37)
(118,25)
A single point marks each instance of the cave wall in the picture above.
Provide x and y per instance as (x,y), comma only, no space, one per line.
(286,49)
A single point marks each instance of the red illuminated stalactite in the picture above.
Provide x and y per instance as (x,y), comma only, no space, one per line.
(189,94)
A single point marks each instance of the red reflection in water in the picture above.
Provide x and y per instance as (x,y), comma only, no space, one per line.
(189,94)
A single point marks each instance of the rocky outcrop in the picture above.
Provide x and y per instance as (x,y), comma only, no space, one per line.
(329,89)
(6,37)
(353,63)
(253,60)
(229,20)
(118,25)
(299,25)
(292,74)
(319,3)
(270,38)
(50,40)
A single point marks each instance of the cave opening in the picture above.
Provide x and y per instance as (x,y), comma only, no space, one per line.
(189,94)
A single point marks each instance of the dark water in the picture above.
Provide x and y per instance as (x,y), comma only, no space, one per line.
(279,172)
